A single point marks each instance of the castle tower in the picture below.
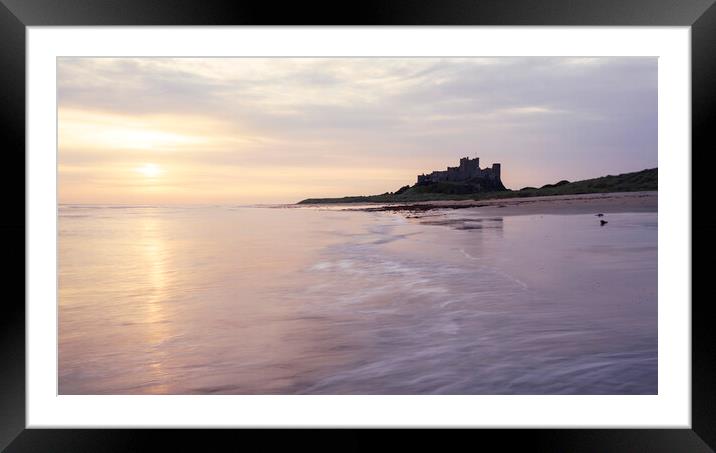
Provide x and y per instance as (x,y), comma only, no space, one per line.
(469,168)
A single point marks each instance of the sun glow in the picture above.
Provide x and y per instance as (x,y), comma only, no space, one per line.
(150,170)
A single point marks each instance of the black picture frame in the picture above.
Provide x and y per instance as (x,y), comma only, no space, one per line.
(16,15)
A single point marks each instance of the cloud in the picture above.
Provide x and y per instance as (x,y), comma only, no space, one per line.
(544,119)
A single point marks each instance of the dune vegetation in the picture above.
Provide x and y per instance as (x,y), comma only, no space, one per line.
(645,180)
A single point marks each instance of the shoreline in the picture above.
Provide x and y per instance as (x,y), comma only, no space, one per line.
(555,204)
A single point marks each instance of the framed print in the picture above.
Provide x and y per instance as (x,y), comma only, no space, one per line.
(386,222)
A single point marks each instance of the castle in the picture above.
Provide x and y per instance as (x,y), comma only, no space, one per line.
(469,170)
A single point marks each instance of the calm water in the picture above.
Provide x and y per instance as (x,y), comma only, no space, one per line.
(295,300)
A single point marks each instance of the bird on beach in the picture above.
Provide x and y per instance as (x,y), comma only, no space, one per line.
(603,222)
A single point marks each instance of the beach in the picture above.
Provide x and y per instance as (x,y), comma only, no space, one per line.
(536,297)
(558,204)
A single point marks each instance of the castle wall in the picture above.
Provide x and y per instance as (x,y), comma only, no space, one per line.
(468,169)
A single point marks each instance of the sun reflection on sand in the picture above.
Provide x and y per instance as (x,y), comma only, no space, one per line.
(155,252)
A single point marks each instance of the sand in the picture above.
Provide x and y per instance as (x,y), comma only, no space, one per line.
(558,204)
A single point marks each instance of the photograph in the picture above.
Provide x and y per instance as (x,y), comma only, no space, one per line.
(357,225)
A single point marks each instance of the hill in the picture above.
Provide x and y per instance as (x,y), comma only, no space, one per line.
(644,180)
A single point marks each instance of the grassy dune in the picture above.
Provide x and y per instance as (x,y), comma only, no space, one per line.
(628,182)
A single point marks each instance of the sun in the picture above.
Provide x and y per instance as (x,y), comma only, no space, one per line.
(150,170)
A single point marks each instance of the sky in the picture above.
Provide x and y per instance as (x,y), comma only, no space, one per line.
(278,130)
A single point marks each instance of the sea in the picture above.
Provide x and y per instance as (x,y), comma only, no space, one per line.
(337,300)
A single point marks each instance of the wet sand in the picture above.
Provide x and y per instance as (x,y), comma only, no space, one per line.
(558,204)
(239,300)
